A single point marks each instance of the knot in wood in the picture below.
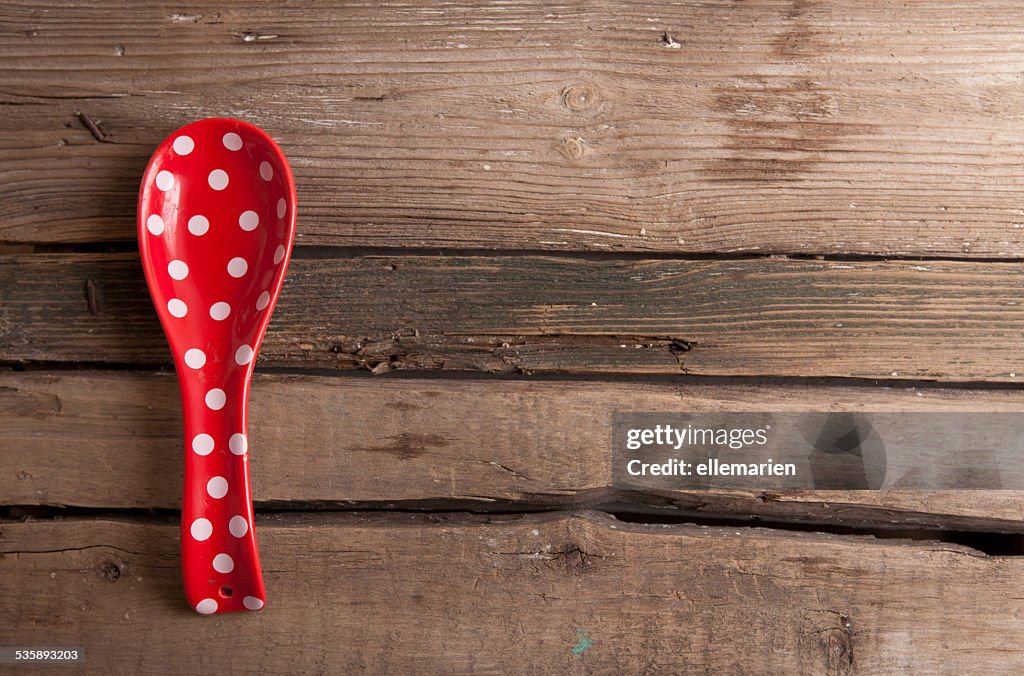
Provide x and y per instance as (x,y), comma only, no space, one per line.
(571,558)
(573,148)
(838,646)
(110,570)
(581,96)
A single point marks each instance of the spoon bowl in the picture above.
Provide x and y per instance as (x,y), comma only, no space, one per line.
(216,223)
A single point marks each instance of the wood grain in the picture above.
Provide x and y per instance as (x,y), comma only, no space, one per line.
(402,594)
(440,444)
(827,127)
(507,314)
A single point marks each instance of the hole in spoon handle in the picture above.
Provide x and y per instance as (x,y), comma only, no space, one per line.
(219,559)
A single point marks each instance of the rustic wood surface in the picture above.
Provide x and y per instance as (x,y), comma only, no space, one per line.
(872,127)
(569,593)
(560,211)
(940,320)
(370,442)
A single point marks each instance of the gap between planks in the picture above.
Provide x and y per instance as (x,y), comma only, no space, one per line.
(955,321)
(985,542)
(454,593)
(328,252)
(432,442)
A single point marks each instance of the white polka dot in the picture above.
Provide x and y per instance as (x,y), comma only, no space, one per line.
(282,207)
(155,224)
(216,398)
(263,301)
(238,526)
(237,267)
(183,145)
(177,307)
(164,180)
(177,270)
(198,225)
(220,311)
(232,141)
(218,179)
(217,487)
(243,355)
(222,563)
(266,171)
(279,254)
(206,607)
(252,603)
(201,529)
(238,444)
(195,358)
(248,220)
(202,444)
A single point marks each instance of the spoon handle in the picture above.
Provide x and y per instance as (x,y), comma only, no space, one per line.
(219,558)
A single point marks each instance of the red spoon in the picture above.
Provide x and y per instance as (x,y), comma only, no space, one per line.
(216,224)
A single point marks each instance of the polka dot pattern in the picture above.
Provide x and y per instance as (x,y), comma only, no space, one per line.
(238,526)
(215,399)
(165,180)
(223,563)
(238,444)
(155,224)
(177,307)
(252,603)
(232,141)
(183,145)
(237,267)
(195,358)
(202,444)
(201,529)
(198,225)
(243,355)
(177,270)
(218,179)
(248,220)
(206,607)
(217,487)
(216,220)
(220,311)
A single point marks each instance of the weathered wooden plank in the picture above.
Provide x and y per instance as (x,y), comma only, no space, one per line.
(535,594)
(872,127)
(73,436)
(941,320)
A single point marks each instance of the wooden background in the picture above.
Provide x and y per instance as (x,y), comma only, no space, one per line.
(514,219)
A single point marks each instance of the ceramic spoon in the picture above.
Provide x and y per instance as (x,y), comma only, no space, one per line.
(216,222)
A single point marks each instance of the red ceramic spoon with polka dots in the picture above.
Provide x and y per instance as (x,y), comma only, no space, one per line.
(216,223)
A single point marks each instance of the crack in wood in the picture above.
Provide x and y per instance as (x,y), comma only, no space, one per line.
(93,127)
